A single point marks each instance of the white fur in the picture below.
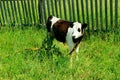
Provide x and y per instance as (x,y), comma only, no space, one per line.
(69,38)
(76,33)
(70,42)
(54,20)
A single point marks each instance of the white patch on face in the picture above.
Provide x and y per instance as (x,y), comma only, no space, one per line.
(54,20)
(77,30)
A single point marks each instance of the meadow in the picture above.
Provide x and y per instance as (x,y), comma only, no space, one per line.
(99,54)
(99,59)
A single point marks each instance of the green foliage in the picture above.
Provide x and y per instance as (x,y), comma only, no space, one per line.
(99,58)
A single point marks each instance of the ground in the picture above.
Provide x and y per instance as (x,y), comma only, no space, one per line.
(98,58)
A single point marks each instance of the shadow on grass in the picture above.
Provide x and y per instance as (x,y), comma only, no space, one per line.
(46,51)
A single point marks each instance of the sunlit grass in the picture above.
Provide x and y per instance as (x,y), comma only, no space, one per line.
(98,59)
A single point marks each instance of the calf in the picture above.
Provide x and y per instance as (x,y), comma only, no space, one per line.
(66,32)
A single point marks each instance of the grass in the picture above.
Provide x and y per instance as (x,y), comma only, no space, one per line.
(98,59)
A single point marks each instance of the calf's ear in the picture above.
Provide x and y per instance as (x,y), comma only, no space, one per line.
(48,25)
(84,25)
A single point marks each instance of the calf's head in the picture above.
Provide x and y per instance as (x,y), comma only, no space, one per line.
(78,30)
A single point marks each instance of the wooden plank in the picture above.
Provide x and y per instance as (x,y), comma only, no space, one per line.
(23,12)
(8,7)
(116,28)
(0,16)
(106,14)
(56,7)
(111,14)
(82,7)
(87,12)
(92,14)
(40,12)
(101,17)
(33,12)
(65,12)
(26,12)
(16,14)
(30,14)
(5,12)
(116,14)
(3,18)
(96,14)
(19,12)
(60,8)
(73,8)
(70,11)
(53,11)
(36,11)
(13,14)
(44,9)
(48,7)
(78,10)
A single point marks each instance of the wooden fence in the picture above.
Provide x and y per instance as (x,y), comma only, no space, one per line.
(100,15)
(19,12)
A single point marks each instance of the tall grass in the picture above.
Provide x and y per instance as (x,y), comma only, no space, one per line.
(98,58)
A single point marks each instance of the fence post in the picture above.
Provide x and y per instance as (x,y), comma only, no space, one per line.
(8,11)
(41,12)
(78,10)
(52,3)
(116,28)
(87,12)
(30,14)
(96,11)
(106,16)
(3,18)
(19,12)
(73,8)
(48,7)
(56,7)
(33,9)
(13,15)
(111,15)
(60,9)
(82,6)
(70,11)
(23,13)
(5,11)
(26,12)
(44,9)
(92,14)
(65,12)
(16,14)
(0,18)
(101,17)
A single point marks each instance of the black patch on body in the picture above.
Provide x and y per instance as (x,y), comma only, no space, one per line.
(60,29)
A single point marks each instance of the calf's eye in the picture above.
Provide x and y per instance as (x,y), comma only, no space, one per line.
(78,29)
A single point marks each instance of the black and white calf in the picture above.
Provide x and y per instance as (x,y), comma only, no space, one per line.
(66,32)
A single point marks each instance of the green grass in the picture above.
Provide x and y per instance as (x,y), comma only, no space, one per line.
(98,59)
